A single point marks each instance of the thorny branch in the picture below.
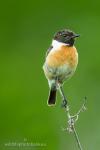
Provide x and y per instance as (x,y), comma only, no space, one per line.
(72,119)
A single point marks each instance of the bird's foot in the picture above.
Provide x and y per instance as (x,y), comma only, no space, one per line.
(64,103)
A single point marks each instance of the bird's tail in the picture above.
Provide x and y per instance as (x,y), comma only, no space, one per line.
(52,97)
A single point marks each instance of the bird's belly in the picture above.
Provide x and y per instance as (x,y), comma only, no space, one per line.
(62,72)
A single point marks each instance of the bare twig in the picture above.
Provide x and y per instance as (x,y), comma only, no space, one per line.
(77,138)
(71,124)
(73,118)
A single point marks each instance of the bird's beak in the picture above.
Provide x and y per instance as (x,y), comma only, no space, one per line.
(75,36)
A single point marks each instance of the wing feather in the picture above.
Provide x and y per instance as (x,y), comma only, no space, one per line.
(49,49)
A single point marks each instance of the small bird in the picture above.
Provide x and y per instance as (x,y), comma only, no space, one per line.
(60,62)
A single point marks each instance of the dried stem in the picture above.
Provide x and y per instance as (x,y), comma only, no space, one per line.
(72,118)
(77,138)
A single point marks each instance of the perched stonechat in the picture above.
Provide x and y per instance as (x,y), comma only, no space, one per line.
(61,62)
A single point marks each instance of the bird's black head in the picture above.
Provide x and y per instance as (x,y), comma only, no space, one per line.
(66,36)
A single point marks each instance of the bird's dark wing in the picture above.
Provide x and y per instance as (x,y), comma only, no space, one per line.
(49,49)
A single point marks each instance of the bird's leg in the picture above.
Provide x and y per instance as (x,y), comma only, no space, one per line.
(64,104)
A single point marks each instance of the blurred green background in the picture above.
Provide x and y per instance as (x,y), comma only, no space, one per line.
(26,31)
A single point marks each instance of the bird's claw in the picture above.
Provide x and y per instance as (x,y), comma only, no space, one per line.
(64,103)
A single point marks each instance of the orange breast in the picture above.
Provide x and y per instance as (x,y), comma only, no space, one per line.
(65,55)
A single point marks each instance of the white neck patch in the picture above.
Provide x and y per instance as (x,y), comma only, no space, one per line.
(56,44)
